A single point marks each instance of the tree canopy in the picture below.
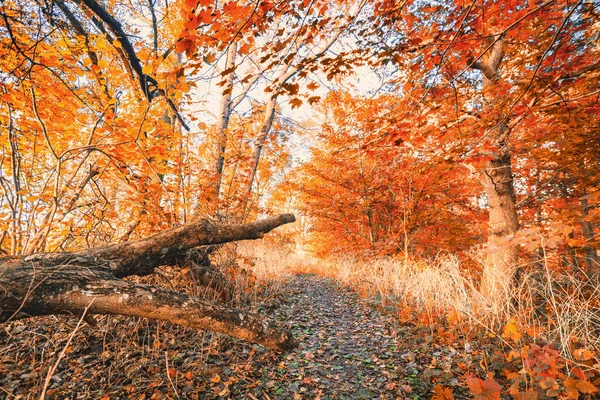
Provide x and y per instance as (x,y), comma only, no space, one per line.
(121,119)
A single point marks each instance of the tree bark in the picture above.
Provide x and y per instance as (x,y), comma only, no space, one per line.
(59,283)
(496,179)
(591,254)
(225,109)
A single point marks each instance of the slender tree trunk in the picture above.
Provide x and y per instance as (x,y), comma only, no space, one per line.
(224,115)
(591,254)
(263,134)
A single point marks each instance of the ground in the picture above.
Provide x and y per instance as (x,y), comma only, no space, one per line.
(348,350)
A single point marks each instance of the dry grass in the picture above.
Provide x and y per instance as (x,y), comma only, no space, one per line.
(565,309)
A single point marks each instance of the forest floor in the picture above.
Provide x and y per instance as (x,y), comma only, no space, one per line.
(348,350)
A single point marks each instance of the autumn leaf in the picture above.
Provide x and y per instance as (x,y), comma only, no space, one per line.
(309,381)
(185,45)
(586,387)
(583,354)
(313,100)
(578,373)
(511,331)
(571,388)
(295,102)
(484,390)
(442,393)
(530,395)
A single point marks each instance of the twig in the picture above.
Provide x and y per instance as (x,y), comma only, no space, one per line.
(169,376)
(62,353)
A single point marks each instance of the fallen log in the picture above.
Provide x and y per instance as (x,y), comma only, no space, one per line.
(59,283)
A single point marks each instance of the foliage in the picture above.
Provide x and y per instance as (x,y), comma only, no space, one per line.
(120,119)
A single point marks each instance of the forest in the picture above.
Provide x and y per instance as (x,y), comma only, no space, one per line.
(299,199)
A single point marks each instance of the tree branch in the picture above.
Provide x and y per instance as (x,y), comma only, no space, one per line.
(59,283)
(27,290)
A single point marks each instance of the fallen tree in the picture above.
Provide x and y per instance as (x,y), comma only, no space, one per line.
(71,282)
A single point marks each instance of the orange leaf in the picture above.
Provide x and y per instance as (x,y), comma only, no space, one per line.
(583,354)
(525,396)
(484,390)
(295,102)
(308,381)
(571,389)
(578,373)
(442,393)
(586,387)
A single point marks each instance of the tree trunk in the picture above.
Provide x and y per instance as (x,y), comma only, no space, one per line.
(225,109)
(59,283)
(501,260)
(256,154)
(496,179)
(591,255)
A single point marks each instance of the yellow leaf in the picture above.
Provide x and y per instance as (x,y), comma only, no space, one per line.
(102,64)
(511,331)
(215,378)
(147,69)
(117,44)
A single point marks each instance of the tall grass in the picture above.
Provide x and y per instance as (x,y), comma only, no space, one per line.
(564,308)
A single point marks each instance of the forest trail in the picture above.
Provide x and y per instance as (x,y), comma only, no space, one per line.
(347,350)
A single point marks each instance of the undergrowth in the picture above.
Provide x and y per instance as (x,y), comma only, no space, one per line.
(547,327)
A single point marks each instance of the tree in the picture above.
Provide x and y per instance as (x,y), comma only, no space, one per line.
(385,199)
(478,75)
(87,143)
(89,281)
(275,54)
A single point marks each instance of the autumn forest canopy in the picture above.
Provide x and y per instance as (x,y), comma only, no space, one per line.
(133,132)
(411,127)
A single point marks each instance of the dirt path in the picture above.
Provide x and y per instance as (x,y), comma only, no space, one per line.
(348,350)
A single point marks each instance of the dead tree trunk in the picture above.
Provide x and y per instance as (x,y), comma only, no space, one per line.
(67,283)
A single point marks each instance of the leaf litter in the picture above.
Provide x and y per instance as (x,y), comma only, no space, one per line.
(348,350)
